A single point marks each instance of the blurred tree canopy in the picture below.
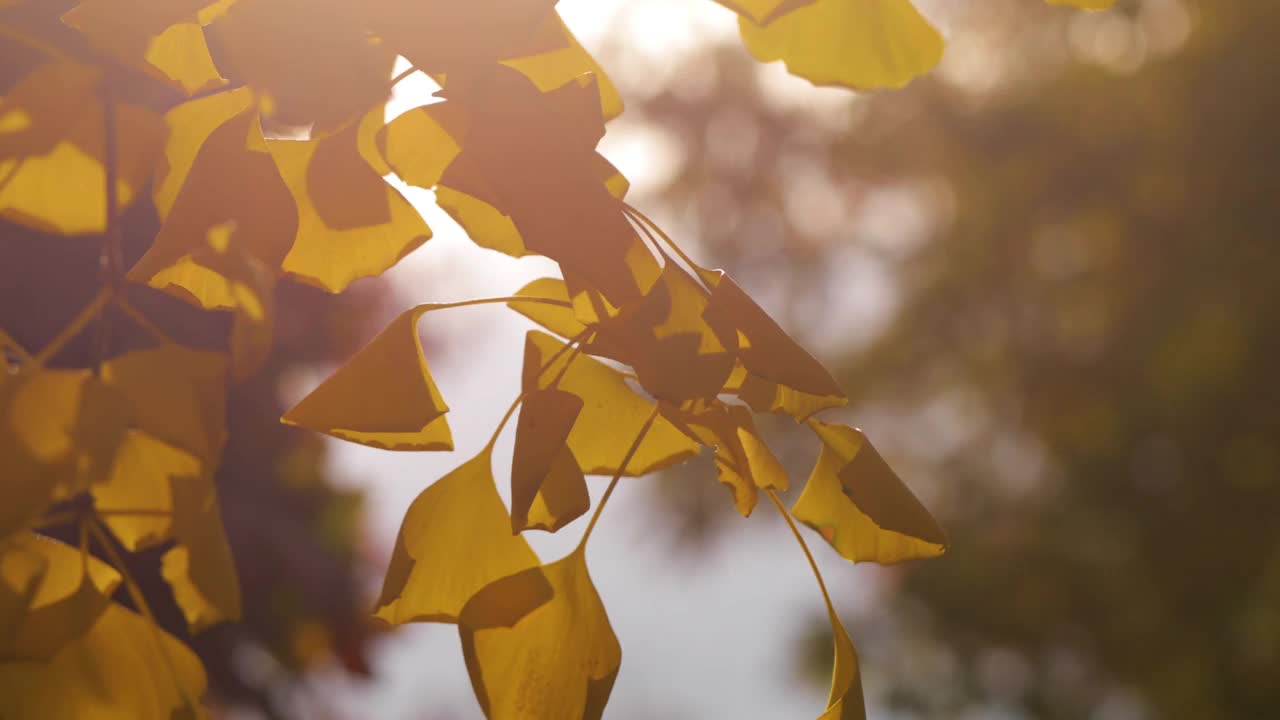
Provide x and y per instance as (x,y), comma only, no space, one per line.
(1078,348)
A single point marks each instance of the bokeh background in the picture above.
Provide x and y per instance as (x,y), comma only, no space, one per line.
(1047,275)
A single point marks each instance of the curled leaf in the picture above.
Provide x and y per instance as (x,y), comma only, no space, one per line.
(612,413)
(539,646)
(858,44)
(856,502)
(383,396)
(744,463)
(763,12)
(547,487)
(456,538)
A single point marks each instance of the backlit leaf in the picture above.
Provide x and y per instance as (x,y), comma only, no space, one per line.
(310,61)
(162,37)
(612,413)
(845,701)
(176,395)
(59,432)
(539,645)
(351,223)
(52,145)
(456,538)
(763,12)
(116,671)
(420,143)
(383,396)
(681,346)
(73,591)
(856,502)
(547,487)
(140,481)
(744,462)
(550,70)
(797,381)
(1084,4)
(227,192)
(200,568)
(859,44)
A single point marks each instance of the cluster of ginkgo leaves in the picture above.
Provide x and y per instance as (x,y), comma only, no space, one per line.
(195,108)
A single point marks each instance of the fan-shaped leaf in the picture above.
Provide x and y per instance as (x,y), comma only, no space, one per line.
(859,44)
(456,538)
(351,223)
(140,481)
(539,646)
(383,396)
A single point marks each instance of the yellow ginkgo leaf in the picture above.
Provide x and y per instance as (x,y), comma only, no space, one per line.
(22,570)
(763,12)
(419,144)
(162,37)
(845,701)
(744,463)
(774,373)
(612,413)
(561,320)
(200,568)
(483,223)
(456,538)
(856,502)
(190,125)
(137,500)
(383,396)
(682,346)
(859,44)
(310,62)
(59,433)
(539,646)
(53,150)
(73,591)
(231,196)
(351,223)
(550,70)
(1084,4)
(547,487)
(176,395)
(115,671)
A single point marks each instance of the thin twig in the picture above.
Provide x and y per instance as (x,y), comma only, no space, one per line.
(622,468)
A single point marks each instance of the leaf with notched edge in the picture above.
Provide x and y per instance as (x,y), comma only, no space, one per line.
(856,502)
(384,396)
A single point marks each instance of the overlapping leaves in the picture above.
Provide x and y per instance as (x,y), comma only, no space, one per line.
(263,149)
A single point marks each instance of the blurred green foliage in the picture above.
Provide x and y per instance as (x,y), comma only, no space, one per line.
(1072,354)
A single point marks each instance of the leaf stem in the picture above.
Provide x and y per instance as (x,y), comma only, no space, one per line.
(429,307)
(77,326)
(7,341)
(142,320)
(644,219)
(622,468)
(574,343)
(813,564)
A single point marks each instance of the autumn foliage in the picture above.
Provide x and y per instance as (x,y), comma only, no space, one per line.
(256,131)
